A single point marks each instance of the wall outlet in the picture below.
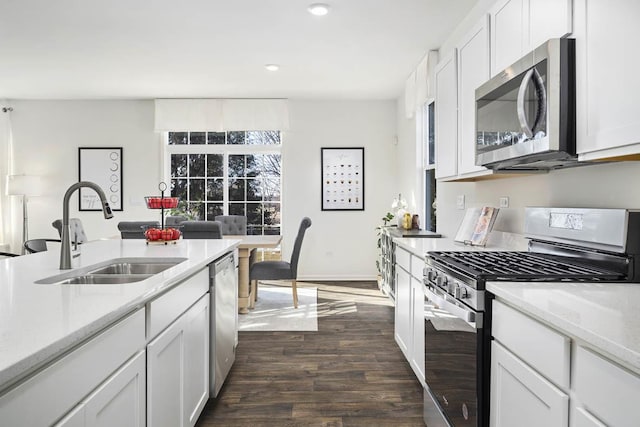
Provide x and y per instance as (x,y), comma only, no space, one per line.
(460,201)
(504,202)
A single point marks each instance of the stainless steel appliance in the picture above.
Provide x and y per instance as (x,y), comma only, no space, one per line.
(224,320)
(565,244)
(525,115)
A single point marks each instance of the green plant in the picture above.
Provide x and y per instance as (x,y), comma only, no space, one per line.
(186,210)
(385,220)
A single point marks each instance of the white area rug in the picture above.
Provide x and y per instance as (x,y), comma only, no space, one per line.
(274,310)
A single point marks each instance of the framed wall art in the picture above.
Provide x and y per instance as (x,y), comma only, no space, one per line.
(342,179)
(103,166)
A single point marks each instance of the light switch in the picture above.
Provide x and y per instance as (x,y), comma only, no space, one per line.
(504,202)
(460,201)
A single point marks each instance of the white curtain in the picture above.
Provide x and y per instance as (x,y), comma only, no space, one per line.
(221,114)
(8,236)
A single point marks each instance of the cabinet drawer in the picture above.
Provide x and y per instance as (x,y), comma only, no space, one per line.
(45,397)
(606,390)
(403,259)
(166,308)
(541,347)
(417,265)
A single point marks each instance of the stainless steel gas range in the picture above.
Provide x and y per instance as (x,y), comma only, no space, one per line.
(565,244)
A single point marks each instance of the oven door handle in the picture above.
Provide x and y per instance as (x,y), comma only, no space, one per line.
(471,317)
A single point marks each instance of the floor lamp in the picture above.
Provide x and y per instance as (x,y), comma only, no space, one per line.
(25,186)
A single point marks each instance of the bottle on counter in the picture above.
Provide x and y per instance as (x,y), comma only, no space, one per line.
(406,221)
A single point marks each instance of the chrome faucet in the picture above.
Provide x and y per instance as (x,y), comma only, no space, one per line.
(65,249)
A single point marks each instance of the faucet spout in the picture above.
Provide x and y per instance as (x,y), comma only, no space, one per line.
(65,249)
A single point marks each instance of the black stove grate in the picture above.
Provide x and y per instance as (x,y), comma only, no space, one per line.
(521,266)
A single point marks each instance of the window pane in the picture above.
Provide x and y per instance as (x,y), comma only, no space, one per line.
(178,165)
(271,164)
(215,138)
(235,137)
(213,210)
(215,165)
(236,165)
(215,189)
(179,188)
(236,209)
(263,137)
(196,189)
(197,210)
(196,165)
(176,138)
(236,189)
(272,230)
(272,214)
(197,138)
(254,230)
(253,165)
(254,213)
(254,189)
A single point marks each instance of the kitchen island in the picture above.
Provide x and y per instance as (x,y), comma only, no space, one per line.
(41,324)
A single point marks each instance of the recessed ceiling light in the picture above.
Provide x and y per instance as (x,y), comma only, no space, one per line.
(272,67)
(318,9)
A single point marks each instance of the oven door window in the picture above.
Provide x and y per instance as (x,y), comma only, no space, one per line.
(451,346)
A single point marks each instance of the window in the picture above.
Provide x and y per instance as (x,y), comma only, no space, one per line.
(428,142)
(228,173)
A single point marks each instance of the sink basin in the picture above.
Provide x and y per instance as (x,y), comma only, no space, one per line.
(104,279)
(115,271)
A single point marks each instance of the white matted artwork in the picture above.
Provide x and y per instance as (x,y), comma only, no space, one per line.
(342,179)
(102,166)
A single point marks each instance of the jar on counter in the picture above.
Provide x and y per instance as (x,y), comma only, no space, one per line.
(406,221)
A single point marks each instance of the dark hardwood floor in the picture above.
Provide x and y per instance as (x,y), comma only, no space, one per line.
(348,373)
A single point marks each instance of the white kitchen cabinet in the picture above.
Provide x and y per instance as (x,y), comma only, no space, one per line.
(522,397)
(403,308)
(473,71)
(607,84)
(119,401)
(446,116)
(417,327)
(178,369)
(519,26)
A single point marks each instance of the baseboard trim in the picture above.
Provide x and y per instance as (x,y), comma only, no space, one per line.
(330,278)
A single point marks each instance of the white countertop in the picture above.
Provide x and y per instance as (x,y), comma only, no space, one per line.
(604,316)
(38,322)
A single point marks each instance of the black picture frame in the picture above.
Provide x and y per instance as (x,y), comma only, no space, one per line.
(343,179)
(102,166)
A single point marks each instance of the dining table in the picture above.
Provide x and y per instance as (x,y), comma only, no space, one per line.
(246,256)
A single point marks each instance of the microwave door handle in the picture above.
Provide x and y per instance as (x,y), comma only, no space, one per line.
(471,317)
(534,76)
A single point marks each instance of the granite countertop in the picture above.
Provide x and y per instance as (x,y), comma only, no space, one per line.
(39,322)
(602,316)
(403,232)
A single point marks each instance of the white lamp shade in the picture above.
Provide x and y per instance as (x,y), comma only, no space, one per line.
(24,185)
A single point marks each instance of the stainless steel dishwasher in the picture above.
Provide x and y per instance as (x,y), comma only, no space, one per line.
(223,275)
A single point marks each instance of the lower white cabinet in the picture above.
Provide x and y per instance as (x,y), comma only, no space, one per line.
(119,401)
(178,369)
(402,325)
(417,328)
(522,397)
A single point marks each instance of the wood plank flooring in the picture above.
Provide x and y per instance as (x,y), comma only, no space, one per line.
(348,373)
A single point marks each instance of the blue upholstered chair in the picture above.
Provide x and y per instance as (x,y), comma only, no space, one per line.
(234,225)
(280,270)
(135,229)
(201,230)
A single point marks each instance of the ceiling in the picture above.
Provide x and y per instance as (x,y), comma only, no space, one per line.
(124,49)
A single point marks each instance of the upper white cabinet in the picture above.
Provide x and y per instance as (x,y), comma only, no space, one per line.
(446,120)
(607,84)
(473,71)
(519,26)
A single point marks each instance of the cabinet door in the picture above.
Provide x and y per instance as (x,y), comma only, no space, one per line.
(120,401)
(582,418)
(608,114)
(165,377)
(446,123)
(522,397)
(548,19)
(507,33)
(403,310)
(196,359)
(417,328)
(473,71)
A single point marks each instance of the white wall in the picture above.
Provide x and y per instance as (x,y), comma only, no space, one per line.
(409,161)
(339,245)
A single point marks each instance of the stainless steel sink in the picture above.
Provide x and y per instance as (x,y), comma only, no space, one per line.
(104,279)
(115,271)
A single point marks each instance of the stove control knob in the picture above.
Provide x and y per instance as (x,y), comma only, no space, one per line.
(460,292)
(441,281)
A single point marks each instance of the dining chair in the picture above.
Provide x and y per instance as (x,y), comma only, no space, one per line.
(280,270)
(171,220)
(135,229)
(234,225)
(201,230)
(37,245)
(76,230)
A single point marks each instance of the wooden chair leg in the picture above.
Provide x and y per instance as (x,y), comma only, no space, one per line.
(252,293)
(295,293)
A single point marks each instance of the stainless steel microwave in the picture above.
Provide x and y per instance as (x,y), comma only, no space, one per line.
(525,115)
